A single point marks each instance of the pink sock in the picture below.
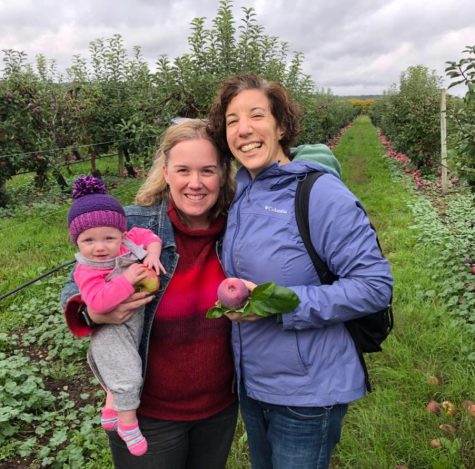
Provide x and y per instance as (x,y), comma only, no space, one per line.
(135,441)
(109,419)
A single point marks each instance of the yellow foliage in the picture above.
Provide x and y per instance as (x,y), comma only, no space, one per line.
(361,103)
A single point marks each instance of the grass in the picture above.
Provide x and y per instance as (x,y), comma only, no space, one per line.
(390,427)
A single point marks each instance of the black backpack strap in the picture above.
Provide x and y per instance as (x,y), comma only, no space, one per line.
(302,203)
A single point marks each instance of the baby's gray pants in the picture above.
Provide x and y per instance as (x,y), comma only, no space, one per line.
(114,359)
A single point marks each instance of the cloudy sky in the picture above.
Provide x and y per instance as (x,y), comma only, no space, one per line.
(352,47)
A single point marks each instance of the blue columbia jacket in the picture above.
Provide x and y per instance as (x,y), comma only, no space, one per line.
(309,359)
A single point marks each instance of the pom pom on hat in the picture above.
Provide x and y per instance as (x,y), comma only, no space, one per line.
(86,185)
(92,207)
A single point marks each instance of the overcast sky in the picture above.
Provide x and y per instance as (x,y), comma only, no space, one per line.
(352,47)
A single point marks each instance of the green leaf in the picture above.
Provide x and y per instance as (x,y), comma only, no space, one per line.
(273,300)
(262,292)
(58,438)
(216,311)
(27,447)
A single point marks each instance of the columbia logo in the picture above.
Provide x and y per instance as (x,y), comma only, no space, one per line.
(275,210)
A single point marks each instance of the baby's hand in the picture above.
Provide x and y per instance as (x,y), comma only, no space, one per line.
(135,272)
(153,262)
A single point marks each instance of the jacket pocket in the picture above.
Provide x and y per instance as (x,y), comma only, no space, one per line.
(270,353)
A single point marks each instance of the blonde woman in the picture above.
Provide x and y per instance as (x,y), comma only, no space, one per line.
(188,409)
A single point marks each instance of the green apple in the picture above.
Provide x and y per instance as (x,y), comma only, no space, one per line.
(151,283)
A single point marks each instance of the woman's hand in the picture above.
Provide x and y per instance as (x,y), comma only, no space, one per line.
(239,318)
(124,311)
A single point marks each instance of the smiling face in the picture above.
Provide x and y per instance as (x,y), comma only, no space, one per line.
(100,243)
(252,132)
(194,177)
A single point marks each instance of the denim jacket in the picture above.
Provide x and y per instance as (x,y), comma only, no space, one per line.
(154,218)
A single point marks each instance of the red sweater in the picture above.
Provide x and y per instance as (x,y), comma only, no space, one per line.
(190,369)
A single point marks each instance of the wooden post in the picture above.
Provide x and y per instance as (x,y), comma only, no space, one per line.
(443,141)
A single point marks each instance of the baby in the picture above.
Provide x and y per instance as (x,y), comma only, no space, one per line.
(111,262)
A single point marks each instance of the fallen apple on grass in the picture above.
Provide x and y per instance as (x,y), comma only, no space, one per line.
(470,406)
(448,407)
(445,427)
(435,380)
(436,443)
(434,407)
(151,283)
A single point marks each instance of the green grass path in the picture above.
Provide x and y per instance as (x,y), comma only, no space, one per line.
(391,427)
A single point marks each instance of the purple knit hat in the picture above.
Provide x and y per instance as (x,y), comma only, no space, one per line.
(92,207)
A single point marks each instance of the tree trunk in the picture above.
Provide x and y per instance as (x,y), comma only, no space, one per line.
(128,164)
(3,194)
(120,162)
(60,180)
(94,171)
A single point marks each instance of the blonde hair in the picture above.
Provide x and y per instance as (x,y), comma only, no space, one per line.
(155,189)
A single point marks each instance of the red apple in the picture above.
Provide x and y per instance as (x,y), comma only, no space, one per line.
(436,443)
(470,406)
(433,407)
(232,293)
(151,283)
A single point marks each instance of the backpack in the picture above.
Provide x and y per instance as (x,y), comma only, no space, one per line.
(367,332)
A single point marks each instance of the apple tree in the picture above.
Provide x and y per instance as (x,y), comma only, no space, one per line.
(463,115)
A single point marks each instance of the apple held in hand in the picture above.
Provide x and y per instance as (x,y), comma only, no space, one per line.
(265,299)
(232,293)
(151,283)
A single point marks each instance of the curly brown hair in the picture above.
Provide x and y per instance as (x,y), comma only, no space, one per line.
(285,111)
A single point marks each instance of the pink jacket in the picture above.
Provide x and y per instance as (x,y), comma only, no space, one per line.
(102,296)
